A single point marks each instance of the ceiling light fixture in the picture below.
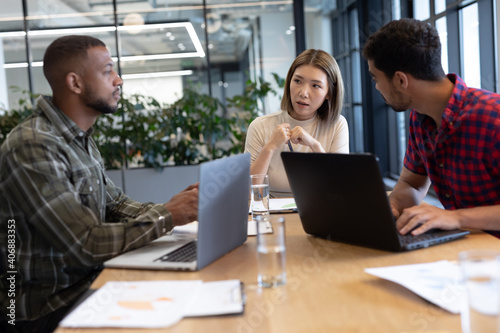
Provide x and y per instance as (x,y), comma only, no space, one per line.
(157,74)
(176,55)
(187,25)
(69,31)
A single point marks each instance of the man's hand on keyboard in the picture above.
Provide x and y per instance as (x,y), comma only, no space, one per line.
(430,217)
(184,206)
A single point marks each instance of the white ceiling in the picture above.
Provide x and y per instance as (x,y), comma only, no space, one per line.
(231,25)
(229,22)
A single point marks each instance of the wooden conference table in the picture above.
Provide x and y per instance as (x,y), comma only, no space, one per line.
(327,289)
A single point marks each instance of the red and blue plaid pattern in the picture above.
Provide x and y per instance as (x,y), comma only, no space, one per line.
(462,156)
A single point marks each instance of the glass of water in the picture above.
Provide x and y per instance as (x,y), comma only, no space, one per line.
(260,195)
(480,271)
(271,251)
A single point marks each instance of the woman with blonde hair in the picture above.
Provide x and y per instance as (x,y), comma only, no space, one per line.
(310,119)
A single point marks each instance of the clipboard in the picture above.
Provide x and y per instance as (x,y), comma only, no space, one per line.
(156,304)
(280,205)
(218,298)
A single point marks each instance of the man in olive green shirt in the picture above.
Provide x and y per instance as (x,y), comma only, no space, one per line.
(61,217)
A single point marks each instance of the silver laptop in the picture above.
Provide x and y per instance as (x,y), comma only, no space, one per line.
(342,197)
(222,222)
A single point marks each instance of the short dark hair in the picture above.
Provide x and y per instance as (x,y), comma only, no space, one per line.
(332,107)
(406,45)
(65,54)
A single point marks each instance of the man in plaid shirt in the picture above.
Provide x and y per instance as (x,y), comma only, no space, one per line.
(454,141)
(61,217)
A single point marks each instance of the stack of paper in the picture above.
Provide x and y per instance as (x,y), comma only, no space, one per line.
(282,205)
(437,282)
(276,205)
(152,304)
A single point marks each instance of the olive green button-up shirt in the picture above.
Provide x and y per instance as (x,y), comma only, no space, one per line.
(61,217)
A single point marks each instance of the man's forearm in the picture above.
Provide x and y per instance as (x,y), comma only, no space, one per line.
(404,195)
(484,218)
(409,191)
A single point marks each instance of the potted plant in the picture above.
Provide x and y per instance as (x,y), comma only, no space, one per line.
(10,118)
(190,131)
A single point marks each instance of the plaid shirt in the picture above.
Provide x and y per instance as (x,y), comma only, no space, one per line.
(65,215)
(462,156)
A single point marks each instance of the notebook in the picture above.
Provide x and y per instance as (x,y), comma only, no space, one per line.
(222,221)
(342,197)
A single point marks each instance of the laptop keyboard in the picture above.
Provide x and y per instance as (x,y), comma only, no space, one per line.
(186,253)
(429,235)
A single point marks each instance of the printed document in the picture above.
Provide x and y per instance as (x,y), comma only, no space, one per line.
(154,304)
(437,282)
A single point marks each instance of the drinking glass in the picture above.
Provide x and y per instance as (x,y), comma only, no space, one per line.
(480,278)
(271,251)
(259,195)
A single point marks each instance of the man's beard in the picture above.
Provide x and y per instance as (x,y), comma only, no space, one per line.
(97,104)
(399,106)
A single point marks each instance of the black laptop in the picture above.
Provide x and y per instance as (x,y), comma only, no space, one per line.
(342,197)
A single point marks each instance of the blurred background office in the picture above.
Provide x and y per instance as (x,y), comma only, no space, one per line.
(159,46)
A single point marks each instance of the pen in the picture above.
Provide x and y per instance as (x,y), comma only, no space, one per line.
(290,145)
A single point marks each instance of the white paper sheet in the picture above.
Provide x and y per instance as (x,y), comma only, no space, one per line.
(192,229)
(437,282)
(216,298)
(252,229)
(280,205)
(144,304)
(154,304)
(277,205)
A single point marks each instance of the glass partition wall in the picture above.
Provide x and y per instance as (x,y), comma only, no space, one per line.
(158,46)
